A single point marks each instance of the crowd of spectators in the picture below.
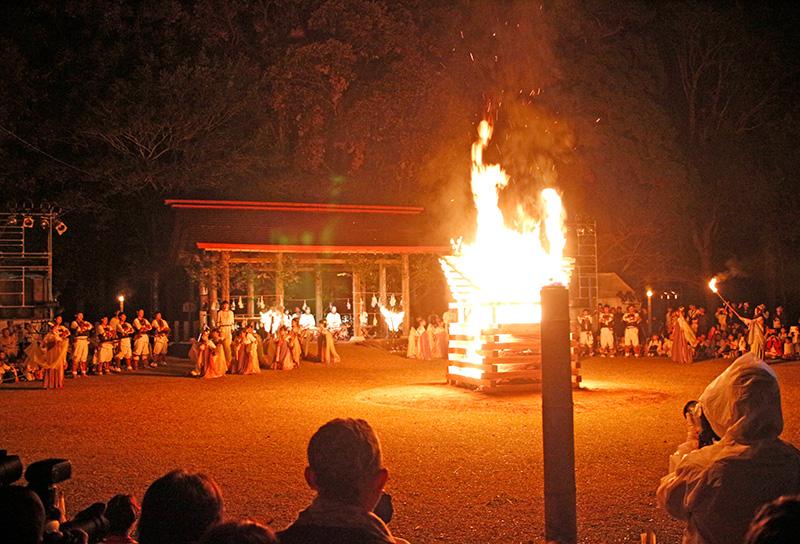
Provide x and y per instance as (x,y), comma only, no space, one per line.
(345,469)
(720,334)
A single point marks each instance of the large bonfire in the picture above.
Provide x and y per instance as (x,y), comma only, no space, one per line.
(496,279)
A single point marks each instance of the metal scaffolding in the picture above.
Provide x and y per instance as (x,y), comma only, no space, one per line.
(582,247)
(26,263)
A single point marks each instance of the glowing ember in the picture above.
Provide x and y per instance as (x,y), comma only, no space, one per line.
(496,280)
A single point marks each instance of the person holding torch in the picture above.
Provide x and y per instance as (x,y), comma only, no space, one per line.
(756,338)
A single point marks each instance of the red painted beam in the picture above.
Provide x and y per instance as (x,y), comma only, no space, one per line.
(277,248)
(292,206)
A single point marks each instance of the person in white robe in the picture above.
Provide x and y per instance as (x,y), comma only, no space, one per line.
(225,323)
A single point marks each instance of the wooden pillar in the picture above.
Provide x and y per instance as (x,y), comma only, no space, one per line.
(357,303)
(202,308)
(251,297)
(382,295)
(382,284)
(318,294)
(406,283)
(279,279)
(225,268)
(213,297)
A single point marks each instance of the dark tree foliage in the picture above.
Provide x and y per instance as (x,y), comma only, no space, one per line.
(673,124)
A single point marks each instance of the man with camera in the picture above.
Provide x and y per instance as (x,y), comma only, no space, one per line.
(717,484)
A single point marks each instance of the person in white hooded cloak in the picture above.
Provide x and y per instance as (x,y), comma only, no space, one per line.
(717,489)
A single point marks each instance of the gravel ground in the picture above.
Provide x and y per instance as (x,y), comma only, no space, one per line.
(465,467)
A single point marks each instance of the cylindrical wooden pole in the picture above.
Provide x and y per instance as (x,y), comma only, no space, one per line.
(251,297)
(406,288)
(558,438)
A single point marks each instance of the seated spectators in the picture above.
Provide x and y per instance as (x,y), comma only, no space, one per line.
(777,522)
(239,532)
(345,469)
(718,488)
(178,508)
(654,346)
(21,516)
(121,512)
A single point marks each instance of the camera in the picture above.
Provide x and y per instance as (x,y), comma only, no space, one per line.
(706,436)
(43,477)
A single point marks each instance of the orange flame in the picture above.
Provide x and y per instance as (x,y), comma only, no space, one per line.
(496,280)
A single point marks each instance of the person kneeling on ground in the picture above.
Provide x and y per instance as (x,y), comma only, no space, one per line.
(345,469)
(718,488)
(239,532)
(777,522)
(178,508)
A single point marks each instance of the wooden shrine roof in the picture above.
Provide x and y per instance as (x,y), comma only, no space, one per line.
(302,227)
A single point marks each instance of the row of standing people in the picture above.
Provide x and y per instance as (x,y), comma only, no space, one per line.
(113,344)
(246,350)
(428,339)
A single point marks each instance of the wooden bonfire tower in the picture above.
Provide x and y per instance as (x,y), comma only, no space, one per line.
(500,357)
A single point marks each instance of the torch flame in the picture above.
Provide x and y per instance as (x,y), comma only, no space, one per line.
(713,285)
(497,279)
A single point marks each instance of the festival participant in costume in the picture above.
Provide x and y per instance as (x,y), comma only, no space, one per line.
(683,338)
(632,320)
(606,320)
(585,337)
(413,343)
(225,323)
(299,341)
(237,352)
(160,339)
(439,336)
(198,353)
(105,337)
(334,321)
(326,346)
(718,485)
(214,356)
(141,341)
(424,340)
(125,332)
(249,363)
(80,347)
(54,360)
(755,332)
(283,359)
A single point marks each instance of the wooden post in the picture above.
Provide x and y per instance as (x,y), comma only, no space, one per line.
(356,303)
(251,297)
(318,294)
(382,295)
(213,297)
(406,286)
(382,284)
(202,308)
(558,435)
(279,279)
(225,267)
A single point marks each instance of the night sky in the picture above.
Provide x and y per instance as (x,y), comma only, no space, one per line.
(674,125)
